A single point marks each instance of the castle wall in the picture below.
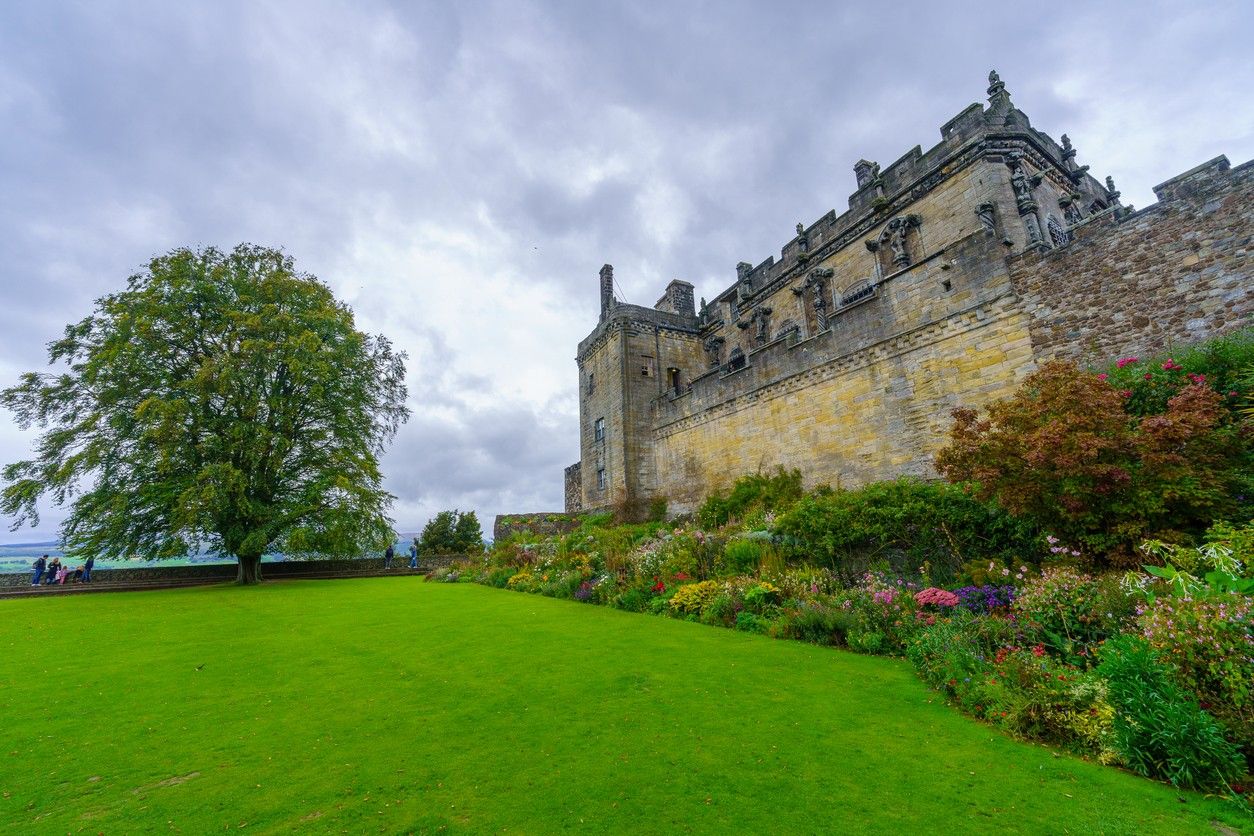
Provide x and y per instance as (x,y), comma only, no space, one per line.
(874,413)
(1178,271)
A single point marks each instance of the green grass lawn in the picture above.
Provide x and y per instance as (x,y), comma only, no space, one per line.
(393,705)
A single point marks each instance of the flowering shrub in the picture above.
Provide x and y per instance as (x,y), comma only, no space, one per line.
(521,581)
(986,598)
(1071,612)
(693,598)
(1063,452)
(1209,646)
(1220,364)
(936,597)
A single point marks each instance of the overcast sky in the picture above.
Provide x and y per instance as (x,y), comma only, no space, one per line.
(459,172)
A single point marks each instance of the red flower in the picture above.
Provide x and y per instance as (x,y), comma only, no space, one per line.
(1149,376)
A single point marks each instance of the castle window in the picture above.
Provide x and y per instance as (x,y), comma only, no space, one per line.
(600,478)
(646,366)
(598,429)
(592,382)
(736,360)
(672,379)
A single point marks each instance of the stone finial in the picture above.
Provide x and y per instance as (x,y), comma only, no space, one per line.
(1112,192)
(1068,153)
(996,87)
(800,228)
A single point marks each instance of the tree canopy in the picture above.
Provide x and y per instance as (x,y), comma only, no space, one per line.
(222,400)
(452,532)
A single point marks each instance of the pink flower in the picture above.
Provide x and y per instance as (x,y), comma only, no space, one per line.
(1102,376)
(1126,361)
(1149,376)
(938,597)
(1127,393)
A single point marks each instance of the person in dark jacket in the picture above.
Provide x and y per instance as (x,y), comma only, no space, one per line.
(413,554)
(40,564)
(91,561)
(50,576)
(387,557)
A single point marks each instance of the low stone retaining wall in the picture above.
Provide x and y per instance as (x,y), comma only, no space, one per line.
(543,524)
(214,572)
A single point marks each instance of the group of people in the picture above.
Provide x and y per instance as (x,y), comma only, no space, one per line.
(413,555)
(48,572)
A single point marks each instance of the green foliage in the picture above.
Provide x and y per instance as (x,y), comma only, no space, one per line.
(1222,363)
(454,532)
(743,556)
(1062,452)
(905,523)
(816,622)
(657,509)
(222,399)
(1158,730)
(757,492)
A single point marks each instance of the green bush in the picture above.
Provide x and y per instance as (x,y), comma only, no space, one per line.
(816,623)
(1159,730)
(743,556)
(632,600)
(751,623)
(906,523)
(758,492)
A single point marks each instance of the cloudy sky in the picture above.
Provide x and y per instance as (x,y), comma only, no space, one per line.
(458,172)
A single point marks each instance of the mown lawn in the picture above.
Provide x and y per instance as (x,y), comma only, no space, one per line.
(392,705)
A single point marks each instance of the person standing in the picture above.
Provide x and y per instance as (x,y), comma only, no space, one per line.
(91,561)
(387,557)
(39,565)
(413,554)
(50,575)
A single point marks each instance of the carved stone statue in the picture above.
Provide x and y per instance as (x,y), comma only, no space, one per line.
(714,351)
(816,283)
(987,214)
(803,242)
(1033,226)
(762,321)
(1071,211)
(744,284)
(897,243)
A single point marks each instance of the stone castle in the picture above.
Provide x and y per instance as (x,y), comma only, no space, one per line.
(953,273)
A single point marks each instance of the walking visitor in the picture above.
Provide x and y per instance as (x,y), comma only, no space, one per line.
(39,565)
(387,557)
(413,554)
(91,561)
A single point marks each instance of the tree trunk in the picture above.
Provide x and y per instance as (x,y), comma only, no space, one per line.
(249,569)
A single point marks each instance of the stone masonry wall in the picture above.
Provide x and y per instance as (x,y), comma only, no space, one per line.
(574,488)
(1176,272)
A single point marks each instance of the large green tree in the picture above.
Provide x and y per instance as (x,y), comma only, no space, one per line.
(223,400)
(452,532)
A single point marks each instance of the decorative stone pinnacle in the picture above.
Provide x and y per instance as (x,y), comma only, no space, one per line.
(996,87)
(800,228)
(1110,187)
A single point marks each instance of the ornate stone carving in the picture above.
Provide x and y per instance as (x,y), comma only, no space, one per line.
(895,236)
(816,284)
(714,351)
(1112,193)
(761,320)
(987,213)
(1071,209)
(803,243)
(1023,184)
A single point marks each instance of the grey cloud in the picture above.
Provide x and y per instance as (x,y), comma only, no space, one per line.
(422,157)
